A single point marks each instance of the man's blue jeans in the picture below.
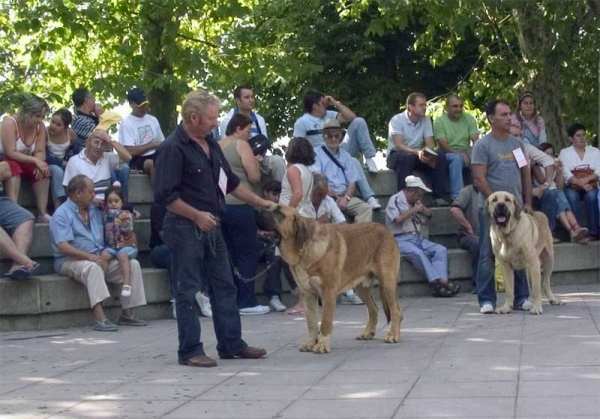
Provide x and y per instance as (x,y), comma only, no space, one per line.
(358,139)
(486,289)
(456,165)
(199,257)
(362,183)
(241,236)
(121,174)
(591,207)
(161,258)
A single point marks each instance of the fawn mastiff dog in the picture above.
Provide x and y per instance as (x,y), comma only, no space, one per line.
(521,241)
(327,259)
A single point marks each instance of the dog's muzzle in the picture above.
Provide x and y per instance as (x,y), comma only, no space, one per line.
(501,214)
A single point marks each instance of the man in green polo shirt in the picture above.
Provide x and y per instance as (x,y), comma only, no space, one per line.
(454,131)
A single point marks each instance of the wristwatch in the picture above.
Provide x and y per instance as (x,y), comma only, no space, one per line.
(347,197)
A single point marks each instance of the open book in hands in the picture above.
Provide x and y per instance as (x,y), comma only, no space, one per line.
(431,155)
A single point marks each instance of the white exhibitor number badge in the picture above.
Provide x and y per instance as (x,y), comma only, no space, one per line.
(519,157)
(223,181)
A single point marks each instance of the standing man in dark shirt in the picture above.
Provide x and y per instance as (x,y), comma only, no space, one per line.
(192,179)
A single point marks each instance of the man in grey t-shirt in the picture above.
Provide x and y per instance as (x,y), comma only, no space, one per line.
(495,163)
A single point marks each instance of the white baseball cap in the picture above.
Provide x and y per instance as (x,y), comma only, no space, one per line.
(415,182)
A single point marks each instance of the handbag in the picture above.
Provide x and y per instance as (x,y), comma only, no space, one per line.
(581,172)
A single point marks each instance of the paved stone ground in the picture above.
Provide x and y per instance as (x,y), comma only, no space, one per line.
(452,363)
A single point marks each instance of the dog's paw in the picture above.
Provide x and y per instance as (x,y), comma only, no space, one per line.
(366,335)
(323,346)
(392,337)
(557,302)
(307,345)
(536,310)
(505,309)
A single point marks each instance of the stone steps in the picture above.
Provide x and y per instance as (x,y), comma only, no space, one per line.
(51,301)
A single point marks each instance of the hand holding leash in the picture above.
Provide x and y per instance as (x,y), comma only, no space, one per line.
(205,221)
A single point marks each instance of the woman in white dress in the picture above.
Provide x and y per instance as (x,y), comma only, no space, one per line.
(296,186)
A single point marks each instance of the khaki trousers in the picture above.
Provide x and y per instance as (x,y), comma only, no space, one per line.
(92,276)
(360,210)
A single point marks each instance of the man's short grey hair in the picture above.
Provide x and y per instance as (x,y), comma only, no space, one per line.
(198,102)
(77,184)
(320,180)
(452,96)
(33,106)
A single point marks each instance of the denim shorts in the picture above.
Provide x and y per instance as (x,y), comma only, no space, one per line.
(562,204)
(131,251)
(12,215)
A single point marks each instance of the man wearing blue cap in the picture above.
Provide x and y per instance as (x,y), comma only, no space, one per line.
(140,133)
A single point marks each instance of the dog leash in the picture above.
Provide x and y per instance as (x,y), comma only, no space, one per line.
(245,280)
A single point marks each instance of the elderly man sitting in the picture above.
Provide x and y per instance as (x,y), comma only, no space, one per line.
(405,215)
(97,163)
(16,232)
(77,238)
(336,163)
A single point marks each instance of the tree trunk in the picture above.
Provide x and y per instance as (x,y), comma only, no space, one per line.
(545,84)
(164,90)
(543,78)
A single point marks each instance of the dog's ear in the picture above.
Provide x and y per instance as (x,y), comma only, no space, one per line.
(303,231)
(518,209)
(486,209)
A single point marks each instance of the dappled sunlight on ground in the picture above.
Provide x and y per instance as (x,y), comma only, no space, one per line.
(426,330)
(87,342)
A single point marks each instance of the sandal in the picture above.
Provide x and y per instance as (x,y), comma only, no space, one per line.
(444,289)
(126,291)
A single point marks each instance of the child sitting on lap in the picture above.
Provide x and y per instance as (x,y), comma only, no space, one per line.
(119,238)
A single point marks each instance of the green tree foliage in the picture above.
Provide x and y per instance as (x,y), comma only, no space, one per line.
(368,54)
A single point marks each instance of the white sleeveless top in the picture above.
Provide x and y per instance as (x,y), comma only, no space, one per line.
(21,147)
(58,150)
(304,207)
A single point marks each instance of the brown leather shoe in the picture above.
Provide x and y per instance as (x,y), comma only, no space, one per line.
(248,353)
(201,361)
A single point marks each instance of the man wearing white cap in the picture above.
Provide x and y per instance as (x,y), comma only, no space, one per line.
(405,215)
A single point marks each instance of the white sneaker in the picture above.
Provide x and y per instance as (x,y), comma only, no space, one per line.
(204,303)
(254,311)
(526,306)
(351,299)
(374,203)
(487,308)
(371,166)
(276,304)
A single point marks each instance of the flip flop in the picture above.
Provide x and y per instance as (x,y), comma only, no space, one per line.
(19,274)
(34,269)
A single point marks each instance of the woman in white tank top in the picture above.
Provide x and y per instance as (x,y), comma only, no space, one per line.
(60,137)
(24,149)
(296,187)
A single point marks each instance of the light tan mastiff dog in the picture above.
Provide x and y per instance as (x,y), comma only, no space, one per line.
(327,259)
(521,241)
